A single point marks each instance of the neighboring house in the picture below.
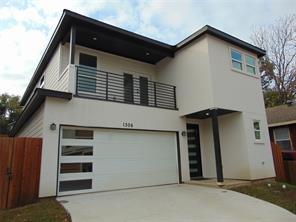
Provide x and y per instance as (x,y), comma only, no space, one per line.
(118,110)
(282,126)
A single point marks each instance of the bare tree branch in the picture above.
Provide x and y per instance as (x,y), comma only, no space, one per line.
(278,72)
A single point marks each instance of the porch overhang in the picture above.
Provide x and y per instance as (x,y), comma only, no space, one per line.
(213,113)
(206,113)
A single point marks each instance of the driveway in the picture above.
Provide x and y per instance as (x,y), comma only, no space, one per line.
(172,203)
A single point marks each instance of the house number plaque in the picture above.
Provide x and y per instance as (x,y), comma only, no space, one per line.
(127,125)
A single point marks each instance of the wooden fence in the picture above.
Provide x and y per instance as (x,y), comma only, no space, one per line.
(278,163)
(20,160)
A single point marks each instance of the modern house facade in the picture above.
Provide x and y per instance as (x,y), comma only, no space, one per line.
(118,110)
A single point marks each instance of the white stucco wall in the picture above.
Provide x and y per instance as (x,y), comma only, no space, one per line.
(94,113)
(204,78)
(189,71)
(242,92)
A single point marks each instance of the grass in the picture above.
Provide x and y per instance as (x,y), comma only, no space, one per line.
(45,210)
(285,198)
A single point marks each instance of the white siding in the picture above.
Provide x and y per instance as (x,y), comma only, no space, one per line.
(34,126)
(117,64)
(55,77)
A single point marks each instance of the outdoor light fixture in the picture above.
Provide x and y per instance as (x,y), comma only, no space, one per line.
(94,38)
(183,133)
(147,53)
(53,126)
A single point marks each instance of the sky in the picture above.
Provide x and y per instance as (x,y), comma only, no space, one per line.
(27,25)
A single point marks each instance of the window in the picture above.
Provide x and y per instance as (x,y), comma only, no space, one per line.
(243,62)
(77,150)
(78,134)
(75,185)
(282,137)
(76,167)
(257,130)
(236,58)
(250,64)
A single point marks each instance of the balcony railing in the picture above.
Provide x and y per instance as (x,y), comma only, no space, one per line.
(101,85)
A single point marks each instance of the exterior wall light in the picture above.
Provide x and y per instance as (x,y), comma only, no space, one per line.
(53,126)
(183,133)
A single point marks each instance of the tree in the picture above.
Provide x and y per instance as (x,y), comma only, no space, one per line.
(278,67)
(10,110)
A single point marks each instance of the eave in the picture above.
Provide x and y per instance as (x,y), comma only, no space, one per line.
(35,102)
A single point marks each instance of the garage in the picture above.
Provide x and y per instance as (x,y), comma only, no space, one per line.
(93,160)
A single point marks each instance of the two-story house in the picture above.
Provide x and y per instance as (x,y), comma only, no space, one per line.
(119,110)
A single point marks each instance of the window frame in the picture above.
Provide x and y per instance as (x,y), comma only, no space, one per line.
(260,140)
(235,60)
(255,68)
(244,63)
(289,139)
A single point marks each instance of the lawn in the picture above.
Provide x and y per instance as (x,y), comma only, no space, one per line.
(45,210)
(272,192)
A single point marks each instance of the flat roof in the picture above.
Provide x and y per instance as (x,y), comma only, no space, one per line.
(120,42)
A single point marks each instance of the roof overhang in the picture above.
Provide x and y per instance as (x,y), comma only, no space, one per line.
(120,42)
(35,102)
(282,123)
(206,113)
(223,36)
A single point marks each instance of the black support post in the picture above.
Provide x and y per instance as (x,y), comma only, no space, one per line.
(215,127)
(72,44)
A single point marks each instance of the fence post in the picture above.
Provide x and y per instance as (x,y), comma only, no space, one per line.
(278,163)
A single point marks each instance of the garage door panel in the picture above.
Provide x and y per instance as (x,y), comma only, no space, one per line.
(122,159)
(126,165)
(76,176)
(73,159)
(132,179)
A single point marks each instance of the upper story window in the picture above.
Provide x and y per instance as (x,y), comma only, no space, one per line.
(250,65)
(282,137)
(243,62)
(236,58)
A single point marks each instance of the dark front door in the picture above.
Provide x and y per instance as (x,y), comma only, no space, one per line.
(194,151)
(143,91)
(128,83)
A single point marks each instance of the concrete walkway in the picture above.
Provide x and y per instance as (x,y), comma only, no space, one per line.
(172,203)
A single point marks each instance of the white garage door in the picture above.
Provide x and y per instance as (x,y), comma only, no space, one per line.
(108,159)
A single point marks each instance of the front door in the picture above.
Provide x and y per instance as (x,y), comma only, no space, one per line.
(128,84)
(143,90)
(194,151)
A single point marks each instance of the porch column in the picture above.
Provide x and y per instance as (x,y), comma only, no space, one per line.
(72,44)
(218,158)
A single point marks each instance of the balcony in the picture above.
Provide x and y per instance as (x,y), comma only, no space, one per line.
(102,85)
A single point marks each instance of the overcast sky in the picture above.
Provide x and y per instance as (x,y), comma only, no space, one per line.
(26,26)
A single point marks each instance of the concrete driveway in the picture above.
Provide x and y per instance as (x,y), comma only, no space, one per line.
(172,203)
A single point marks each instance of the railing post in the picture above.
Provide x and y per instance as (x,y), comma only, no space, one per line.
(107,85)
(155,103)
(76,83)
(175,100)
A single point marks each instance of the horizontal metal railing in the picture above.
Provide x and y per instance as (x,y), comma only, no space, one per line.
(102,85)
